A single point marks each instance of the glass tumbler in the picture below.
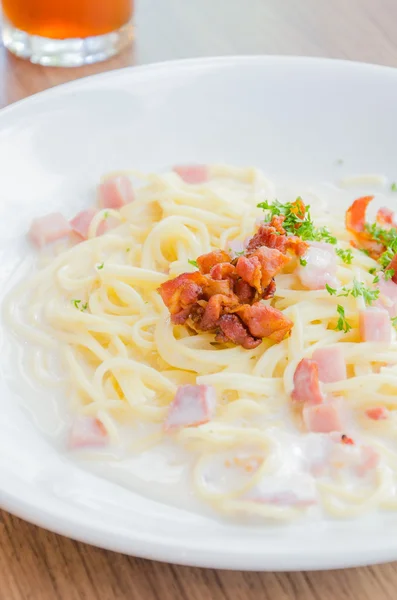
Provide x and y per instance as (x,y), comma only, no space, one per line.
(67,33)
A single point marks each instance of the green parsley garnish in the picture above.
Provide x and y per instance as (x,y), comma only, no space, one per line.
(194,263)
(303,262)
(76,303)
(388,274)
(394,322)
(297,223)
(331,291)
(128,249)
(375,279)
(240,253)
(342,324)
(106,214)
(359,289)
(393,187)
(345,255)
(372,270)
(100,266)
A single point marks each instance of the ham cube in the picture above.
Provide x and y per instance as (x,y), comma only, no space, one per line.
(306,383)
(320,267)
(82,221)
(375,325)
(49,228)
(193,405)
(192,173)
(369,460)
(115,192)
(331,364)
(377,413)
(87,432)
(323,418)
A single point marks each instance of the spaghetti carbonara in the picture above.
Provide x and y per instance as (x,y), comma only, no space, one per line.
(276,430)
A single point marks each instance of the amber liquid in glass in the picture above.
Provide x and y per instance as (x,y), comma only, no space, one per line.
(63,19)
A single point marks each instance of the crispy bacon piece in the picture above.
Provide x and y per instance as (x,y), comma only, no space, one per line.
(216,306)
(273,236)
(356,214)
(259,268)
(182,292)
(223,271)
(355,224)
(246,294)
(232,330)
(265,321)
(217,286)
(306,383)
(207,261)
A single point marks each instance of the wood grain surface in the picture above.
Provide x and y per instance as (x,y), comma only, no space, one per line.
(36,564)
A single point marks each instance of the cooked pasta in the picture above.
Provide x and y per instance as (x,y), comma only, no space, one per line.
(96,306)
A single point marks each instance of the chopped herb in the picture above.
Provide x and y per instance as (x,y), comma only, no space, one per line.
(394,322)
(342,324)
(388,274)
(372,271)
(393,187)
(76,304)
(100,266)
(330,290)
(106,214)
(128,249)
(296,222)
(194,263)
(375,279)
(364,251)
(359,289)
(345,255)
(303,262)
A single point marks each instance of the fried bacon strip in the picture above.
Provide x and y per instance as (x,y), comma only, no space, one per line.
(355,224)
(224,295)
(273,235)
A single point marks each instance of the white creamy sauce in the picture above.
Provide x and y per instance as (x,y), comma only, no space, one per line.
(163,472)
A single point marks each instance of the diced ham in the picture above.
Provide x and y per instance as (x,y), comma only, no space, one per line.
(87,432)
(192,173)
(356,214)
(193,405)
(393,266)
(360,460)
(322,418)
(49,228)
(207,261)
(375,325)
(331,364)
(320,268)
(388,295)
(115,192)
(82,221)
(377,413)
(369,460)
(306,383)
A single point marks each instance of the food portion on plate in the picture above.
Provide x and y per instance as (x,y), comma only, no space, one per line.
(255,337)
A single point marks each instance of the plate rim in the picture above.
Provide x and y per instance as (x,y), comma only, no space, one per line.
(160,549)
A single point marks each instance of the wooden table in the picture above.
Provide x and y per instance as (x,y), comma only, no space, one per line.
(35,564)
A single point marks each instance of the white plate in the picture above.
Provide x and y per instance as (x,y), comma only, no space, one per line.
(294,117)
